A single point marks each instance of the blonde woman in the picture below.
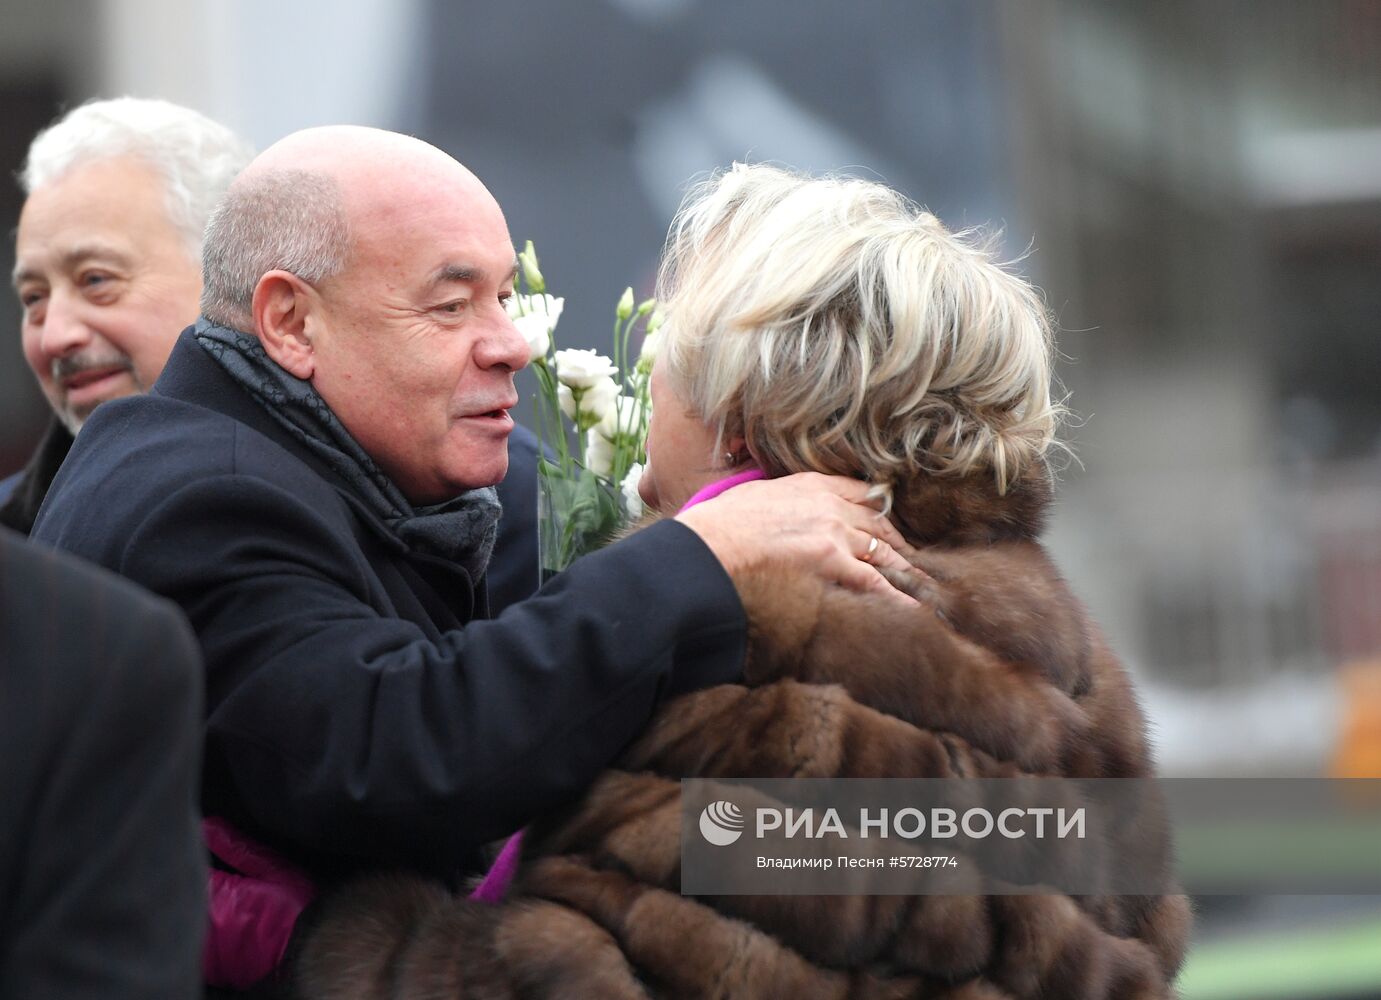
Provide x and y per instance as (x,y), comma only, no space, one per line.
(825,325)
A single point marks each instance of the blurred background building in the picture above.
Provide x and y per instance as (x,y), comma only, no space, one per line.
(1199,184)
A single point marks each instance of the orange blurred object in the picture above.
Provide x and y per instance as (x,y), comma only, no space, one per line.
(1359,748)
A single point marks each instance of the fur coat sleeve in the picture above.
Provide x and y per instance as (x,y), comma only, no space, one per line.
(998,673)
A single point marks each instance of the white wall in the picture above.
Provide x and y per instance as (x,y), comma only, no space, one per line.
(266,67)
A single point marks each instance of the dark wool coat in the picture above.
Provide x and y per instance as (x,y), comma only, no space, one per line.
(358,711)
(999,673)
(512,575)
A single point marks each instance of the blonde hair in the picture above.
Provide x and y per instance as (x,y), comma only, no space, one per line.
(839,328)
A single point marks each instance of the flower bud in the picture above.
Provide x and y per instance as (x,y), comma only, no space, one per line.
(599,454)
(625,307)
(623,419)
(632,501)
(647,356)
(596,402)
(586,406)
(527,260)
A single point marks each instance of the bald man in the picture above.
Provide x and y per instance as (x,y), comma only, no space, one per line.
(311,479)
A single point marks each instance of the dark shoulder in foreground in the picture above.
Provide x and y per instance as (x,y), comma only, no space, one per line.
(102,710)
(70,598)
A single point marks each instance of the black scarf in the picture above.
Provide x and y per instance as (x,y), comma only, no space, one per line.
(460,530)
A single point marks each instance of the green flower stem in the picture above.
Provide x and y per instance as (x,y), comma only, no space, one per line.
(620,334)
(549,416)
(619,468)
(579,395)
(643,390)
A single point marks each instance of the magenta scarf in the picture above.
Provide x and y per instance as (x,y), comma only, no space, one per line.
(719,486)
(496,881)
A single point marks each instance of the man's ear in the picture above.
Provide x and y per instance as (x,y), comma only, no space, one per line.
(284,308)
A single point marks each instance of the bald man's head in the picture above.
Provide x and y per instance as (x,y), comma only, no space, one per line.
(277,220)
(376,267)
(304,202)
(365,162)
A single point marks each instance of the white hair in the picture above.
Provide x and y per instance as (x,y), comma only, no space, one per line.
(196,156)
(839,328)
(271,220)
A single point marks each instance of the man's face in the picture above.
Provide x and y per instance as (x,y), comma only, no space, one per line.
(105,281)
(416,355)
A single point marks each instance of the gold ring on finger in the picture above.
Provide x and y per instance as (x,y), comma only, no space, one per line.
(872,548)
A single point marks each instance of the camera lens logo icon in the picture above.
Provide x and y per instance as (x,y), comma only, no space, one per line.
(721,823)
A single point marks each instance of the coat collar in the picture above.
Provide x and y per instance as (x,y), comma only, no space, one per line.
(192,376)
(969,510)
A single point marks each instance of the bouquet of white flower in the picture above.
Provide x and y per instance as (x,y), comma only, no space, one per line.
(592,413)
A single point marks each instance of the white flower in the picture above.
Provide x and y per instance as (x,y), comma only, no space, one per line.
(599,454)
(537,334)
(623,418)
(598,399)
(535,316)
(581,369)
(631,499)
(652,342)
(586,407)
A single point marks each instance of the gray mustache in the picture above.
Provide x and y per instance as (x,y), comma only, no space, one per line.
(75,364)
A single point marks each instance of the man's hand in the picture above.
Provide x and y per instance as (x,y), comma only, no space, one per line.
(806,523)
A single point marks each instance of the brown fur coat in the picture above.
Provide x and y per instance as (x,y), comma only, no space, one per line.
(999,673)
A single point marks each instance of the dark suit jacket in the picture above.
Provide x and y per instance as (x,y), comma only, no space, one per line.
(358,713)
(102,872)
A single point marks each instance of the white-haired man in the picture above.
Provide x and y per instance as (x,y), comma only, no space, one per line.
(108,259)
(107,722)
